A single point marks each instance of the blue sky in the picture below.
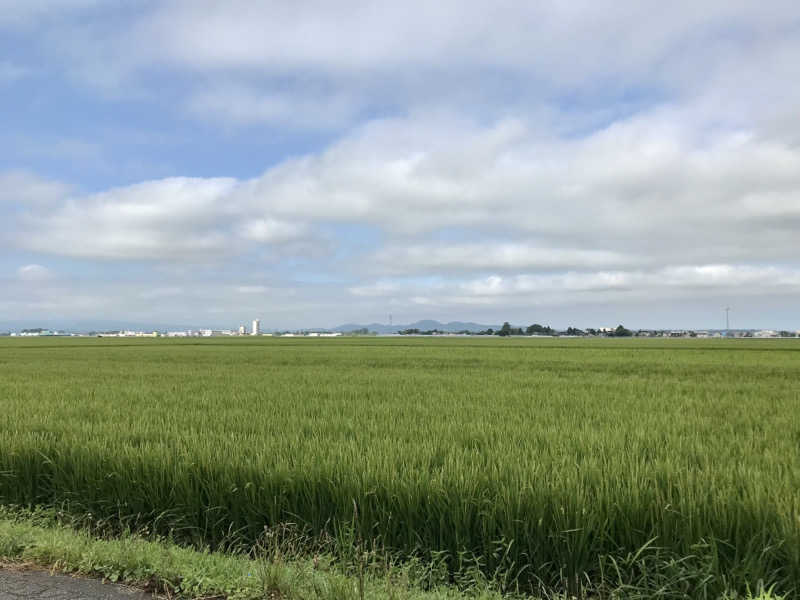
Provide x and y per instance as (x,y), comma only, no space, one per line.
(582,163)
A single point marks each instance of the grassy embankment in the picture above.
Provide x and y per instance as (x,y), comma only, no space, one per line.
(550,466)
(39,539)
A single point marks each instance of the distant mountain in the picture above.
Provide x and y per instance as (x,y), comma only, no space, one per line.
(424,325)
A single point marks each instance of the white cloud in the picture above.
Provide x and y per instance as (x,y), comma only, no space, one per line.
(686,281)
(645,187)
(441,257)
(181,219)
(569,42)
(34,273)
(172,218)
(271,230)
(679,279)
(642,191)
(315,65)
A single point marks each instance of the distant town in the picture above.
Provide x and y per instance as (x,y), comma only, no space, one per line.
(422,328)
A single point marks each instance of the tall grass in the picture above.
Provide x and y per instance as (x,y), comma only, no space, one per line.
(549,465)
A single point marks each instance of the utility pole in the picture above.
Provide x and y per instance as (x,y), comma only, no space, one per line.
(727,318)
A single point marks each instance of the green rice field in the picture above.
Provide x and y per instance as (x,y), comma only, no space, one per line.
(551,465)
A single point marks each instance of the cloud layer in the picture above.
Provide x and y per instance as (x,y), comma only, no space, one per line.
(638,192)
(486,155)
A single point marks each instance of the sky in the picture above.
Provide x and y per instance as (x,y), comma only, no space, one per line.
(581,163)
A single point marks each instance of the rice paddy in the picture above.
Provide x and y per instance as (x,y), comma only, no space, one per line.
(549,465)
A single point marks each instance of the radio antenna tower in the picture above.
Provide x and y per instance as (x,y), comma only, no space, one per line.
(727,318)
(390,320)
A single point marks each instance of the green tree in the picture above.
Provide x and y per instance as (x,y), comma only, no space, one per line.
(505,329)
(620,331)
(537,329)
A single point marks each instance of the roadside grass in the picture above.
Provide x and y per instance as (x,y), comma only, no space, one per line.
(158,565)
(276,568)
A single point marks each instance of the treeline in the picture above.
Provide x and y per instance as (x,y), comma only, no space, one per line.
(535,329)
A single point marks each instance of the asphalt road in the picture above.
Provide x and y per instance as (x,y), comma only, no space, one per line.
(40,585)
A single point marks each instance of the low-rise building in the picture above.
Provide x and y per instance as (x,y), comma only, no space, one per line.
(766,333)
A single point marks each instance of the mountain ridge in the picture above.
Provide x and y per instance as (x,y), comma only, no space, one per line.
(422,325)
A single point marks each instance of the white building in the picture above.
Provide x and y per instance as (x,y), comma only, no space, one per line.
(765,333)
(256,327)
(242,330)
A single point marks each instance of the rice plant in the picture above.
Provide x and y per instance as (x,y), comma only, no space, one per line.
(548,466)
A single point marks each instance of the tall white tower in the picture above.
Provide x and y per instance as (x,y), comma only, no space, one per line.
(256,327)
